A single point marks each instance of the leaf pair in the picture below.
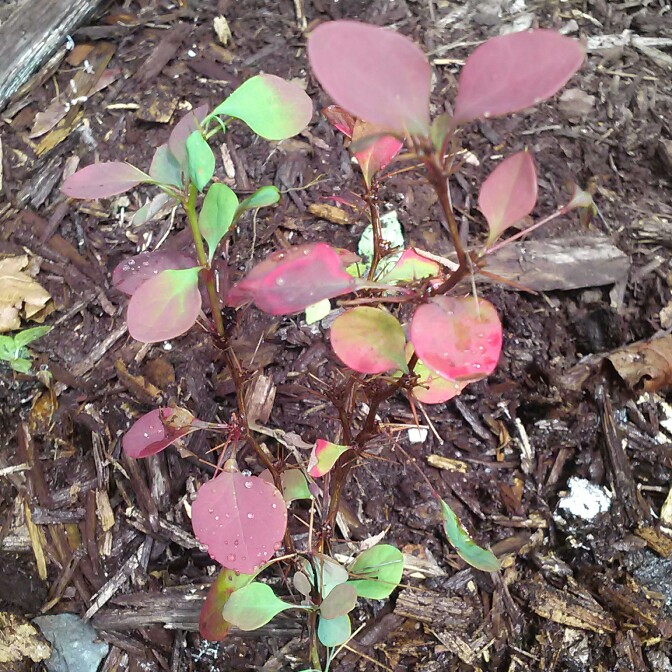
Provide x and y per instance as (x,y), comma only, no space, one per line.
(13,348)
(381,76)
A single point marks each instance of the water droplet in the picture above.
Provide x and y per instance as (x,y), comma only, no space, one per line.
(236,542)
(275,506)
(487,115)
(250,515)
(277,546)
(210,510)
(477,366)
(280,282)
(306,252)
(227,515)
(231,557)
(216,517)
(248,484)
(145,263)
(146,435)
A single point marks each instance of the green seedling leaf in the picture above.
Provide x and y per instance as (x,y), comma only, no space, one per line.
(241,519)
(508,194)
(582,200)
(164,307)
(252,606)
(134,271)
(323,457)
(466,547)
(373,73)
(8,348)
(410,267)
(379,153)
(216,216)
(340,601)
(318,311)
(381,568)
(23,338)
(294,484)
(156,430)
(441,126)
(102,180)
(272,107)
(515,71)
(335,631)
(165,168)
(211,623)
(457,337)
(261,198)
(200,160)
(329,573)
(21,365)
(392,235)
(369,340)
(290,281)
(177,142)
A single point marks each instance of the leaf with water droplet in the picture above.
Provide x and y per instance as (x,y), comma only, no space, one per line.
(156,430)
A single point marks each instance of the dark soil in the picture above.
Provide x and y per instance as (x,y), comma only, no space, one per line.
(574,594)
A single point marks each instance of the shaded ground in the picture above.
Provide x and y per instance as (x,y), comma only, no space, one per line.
(574,594)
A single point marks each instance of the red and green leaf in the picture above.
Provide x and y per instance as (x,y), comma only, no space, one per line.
(369,340)
(102,180)
(211,623)
(411,266)
(290,281)
(177,142)
(241,519)
(165,168)
(377,155)
(515,71)
(134,271)
(156,430)
(216,216)
(433,388)
(373,73)
(323,457)
(457,337)
(508,194)
(164,307)
(272,107)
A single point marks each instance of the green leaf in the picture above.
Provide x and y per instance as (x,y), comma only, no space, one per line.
(261,198)
(253,605)
(334,631)
(200,160)
(340,601)
(329,573)
(8,348)
(165,168)
(211,625)
(318,311)
(29,335)
(21,365)
(216,216)
(272,107)
(323,457)
(381,567)
(294,485)
(466,547)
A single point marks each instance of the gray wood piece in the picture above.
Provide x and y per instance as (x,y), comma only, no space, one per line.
(34,31)
(561,263)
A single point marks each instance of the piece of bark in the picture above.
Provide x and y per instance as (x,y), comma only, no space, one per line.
(162,54)
(654,230)
(437,610)
(561,263)
(32,33)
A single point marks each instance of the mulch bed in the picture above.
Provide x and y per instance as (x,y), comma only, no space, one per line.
(574,594)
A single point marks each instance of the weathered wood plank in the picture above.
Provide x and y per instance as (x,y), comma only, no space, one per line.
(32,33)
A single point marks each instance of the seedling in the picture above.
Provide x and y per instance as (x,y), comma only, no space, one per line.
(413,326)
(14,351)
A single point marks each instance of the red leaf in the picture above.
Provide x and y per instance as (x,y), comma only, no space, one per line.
(509,193)
(369,340)
(164,307)
(241,519)
(177,142)
(156,430)
(289,281)
(373,73)
(459,338)
(101,180)
(134,271)
(340,119)
(515,71)
(377,155)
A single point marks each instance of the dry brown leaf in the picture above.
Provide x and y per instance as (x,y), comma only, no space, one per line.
(20,294)
(222,29)
(646,364)
(20,639)
(329,212)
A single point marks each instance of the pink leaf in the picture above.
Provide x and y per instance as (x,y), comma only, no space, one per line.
(369,340)
(340,119)
(515,71)
(101,180)
(156,430)
(433,388)
(373,73)
(164,307)
(177,142)
(241,519)
(458,338)
(377,155)
(323,457)
(289,281)
(508,194)
(129,274)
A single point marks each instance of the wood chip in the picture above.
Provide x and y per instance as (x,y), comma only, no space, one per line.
(329,212)
(447,463)
(104,510)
